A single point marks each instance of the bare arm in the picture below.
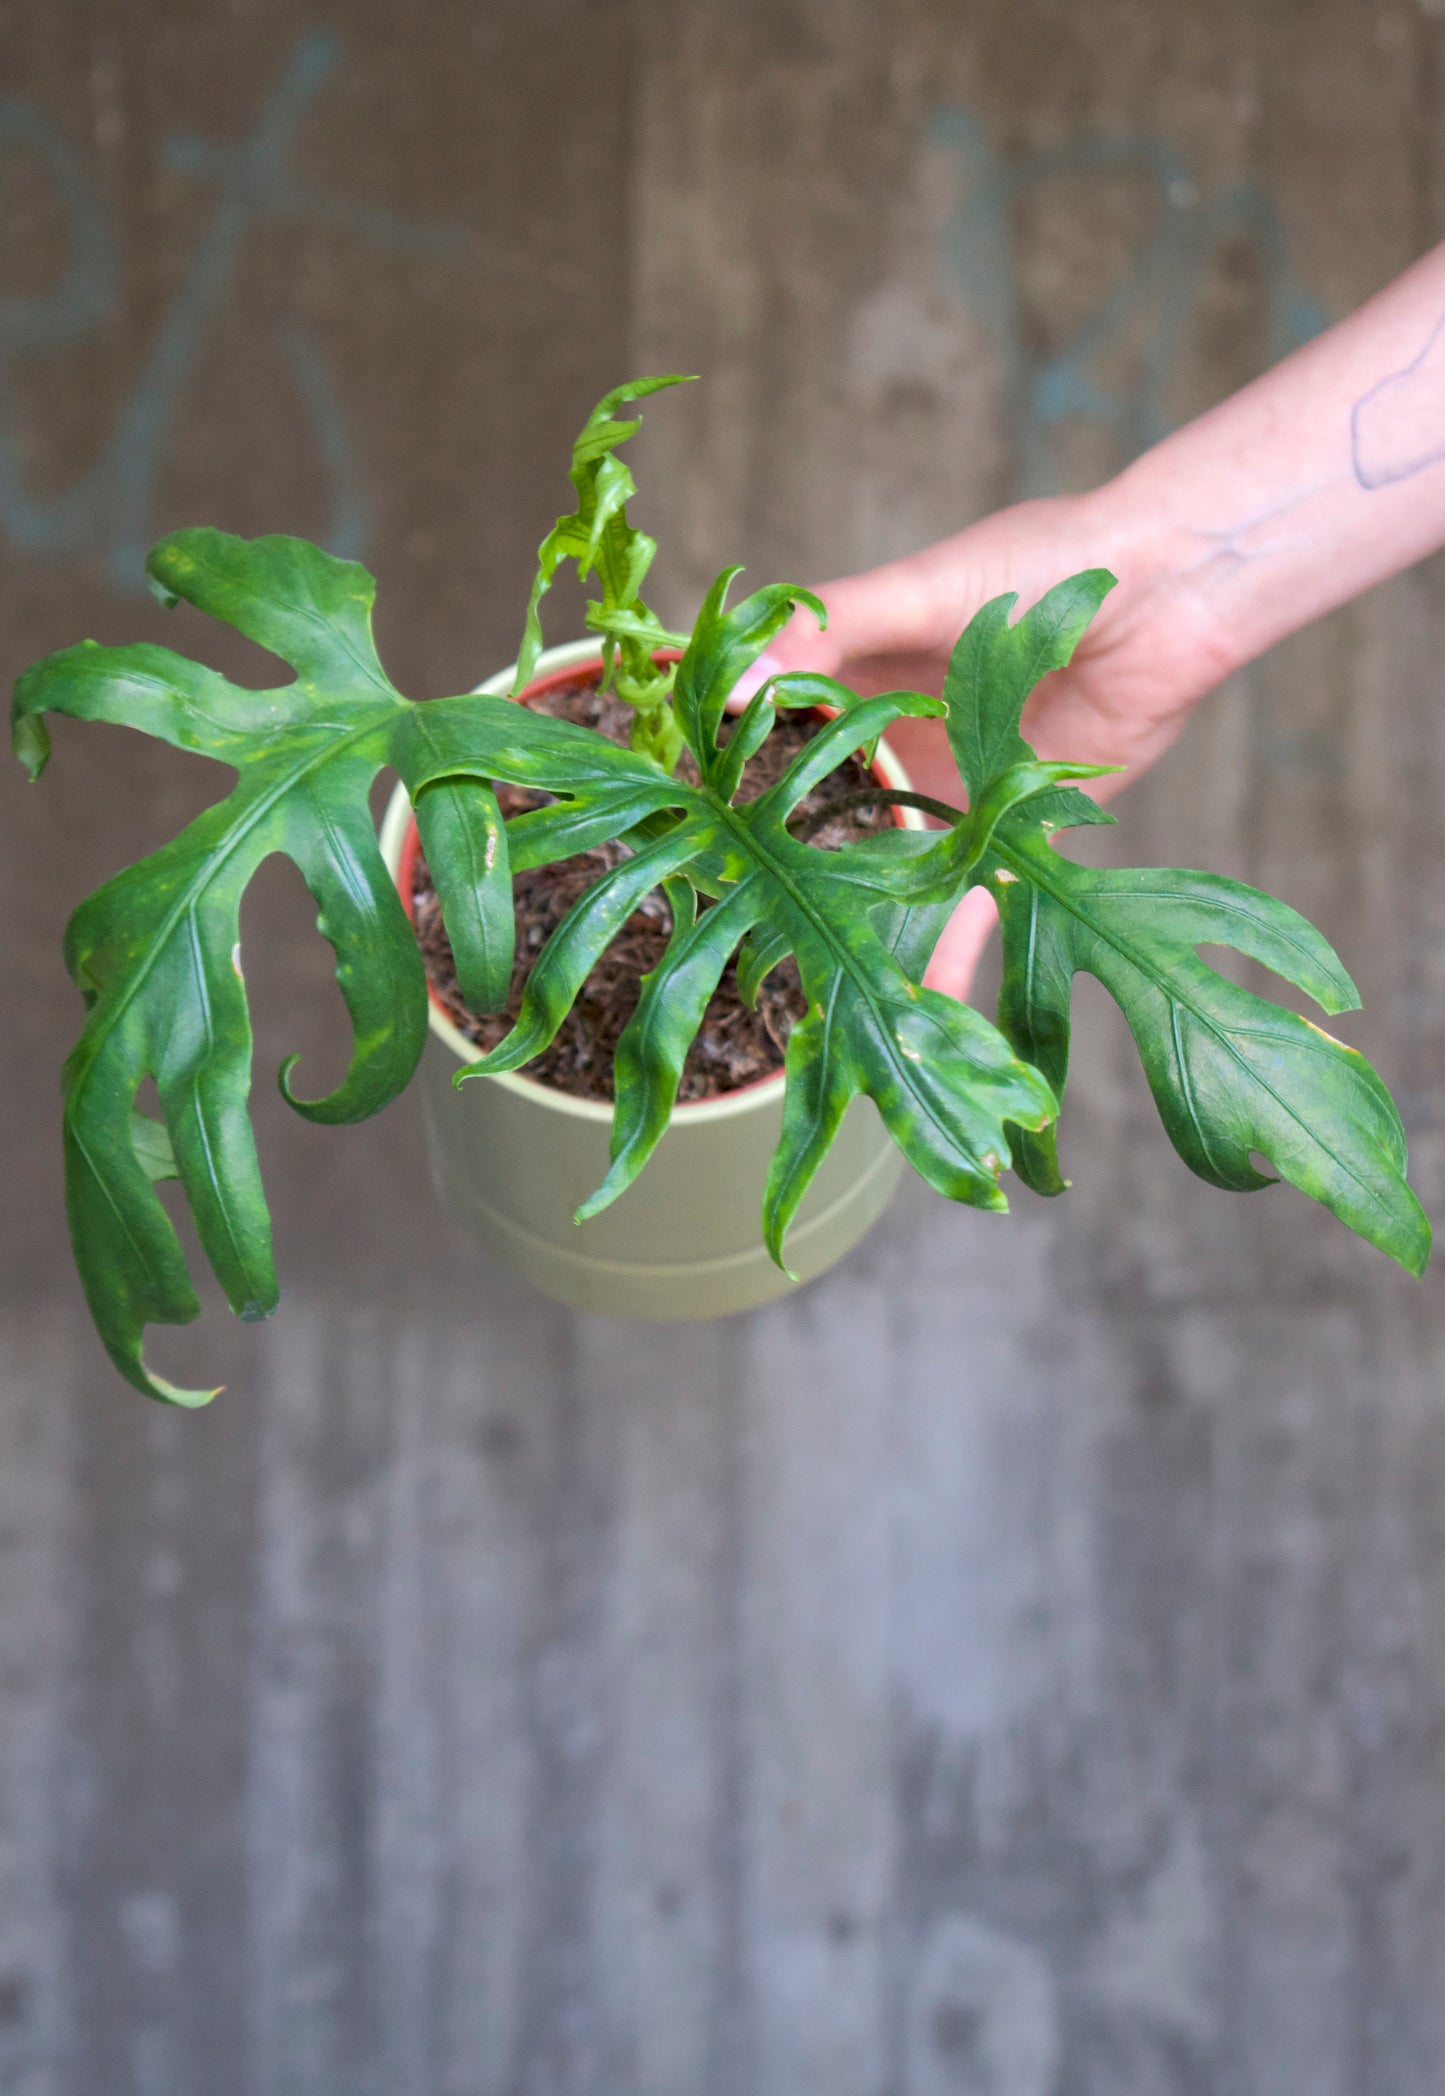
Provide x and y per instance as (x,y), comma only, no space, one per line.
(1321,478)
(1317,480)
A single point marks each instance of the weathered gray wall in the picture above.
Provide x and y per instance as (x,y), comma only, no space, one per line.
(1016,1666)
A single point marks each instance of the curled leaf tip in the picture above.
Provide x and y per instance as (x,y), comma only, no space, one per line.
(31,744)
(814,603)
(773,1239)
(168,1393)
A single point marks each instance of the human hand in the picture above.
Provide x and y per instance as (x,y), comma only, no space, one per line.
(1154,648)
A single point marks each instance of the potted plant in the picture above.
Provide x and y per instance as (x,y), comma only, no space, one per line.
(747,884)
(515,1159)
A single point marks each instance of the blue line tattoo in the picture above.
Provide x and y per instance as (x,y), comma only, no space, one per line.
(1397,429)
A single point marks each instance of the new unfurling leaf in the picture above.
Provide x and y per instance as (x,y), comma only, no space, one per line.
(599,537)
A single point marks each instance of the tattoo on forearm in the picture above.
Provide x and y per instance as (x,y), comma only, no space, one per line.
(1283,527)
(1398,427)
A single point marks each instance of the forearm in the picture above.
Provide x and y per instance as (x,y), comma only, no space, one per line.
(1320,478)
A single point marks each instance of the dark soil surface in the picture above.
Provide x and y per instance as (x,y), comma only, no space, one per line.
(734,1046)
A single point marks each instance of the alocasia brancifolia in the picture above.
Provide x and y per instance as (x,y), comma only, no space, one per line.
(156,956)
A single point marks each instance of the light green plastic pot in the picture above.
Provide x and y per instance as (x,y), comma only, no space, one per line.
(514,1159)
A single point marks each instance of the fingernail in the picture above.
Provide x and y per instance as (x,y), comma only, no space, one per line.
(753,679)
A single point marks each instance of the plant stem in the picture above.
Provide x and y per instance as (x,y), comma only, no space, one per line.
(880,797)
(654,732)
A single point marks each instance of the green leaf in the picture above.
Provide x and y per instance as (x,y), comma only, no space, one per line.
(1231,1073)
(758,956)
(602,792)
(598,536)
(995,667)
(579,941)
(909,928)
(462,832)
(654,1044)
(945,1081)
(860,725)
(749,732)
(156,951)
(724,644)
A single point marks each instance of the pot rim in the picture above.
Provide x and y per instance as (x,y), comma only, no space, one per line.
(399,844)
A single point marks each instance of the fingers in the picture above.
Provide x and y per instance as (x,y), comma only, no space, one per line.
(961,946)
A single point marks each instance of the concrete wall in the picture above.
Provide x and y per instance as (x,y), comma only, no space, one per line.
(1013,1667)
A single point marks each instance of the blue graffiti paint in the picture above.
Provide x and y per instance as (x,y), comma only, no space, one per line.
(1152,303)
(110,507)
(51,321)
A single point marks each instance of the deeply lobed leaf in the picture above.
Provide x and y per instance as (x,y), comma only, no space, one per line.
(1231,1073)
(945,1081)
(599,538)
(156,951)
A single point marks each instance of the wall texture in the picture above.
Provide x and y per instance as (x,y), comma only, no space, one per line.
(1013,1667)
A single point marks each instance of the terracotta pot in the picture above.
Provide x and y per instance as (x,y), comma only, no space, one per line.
(513,1159)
